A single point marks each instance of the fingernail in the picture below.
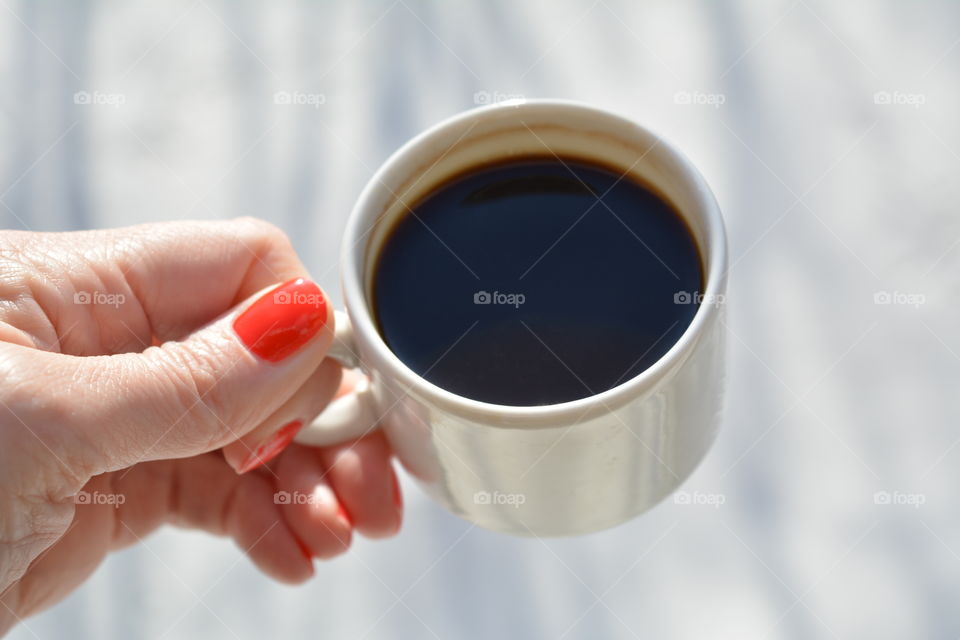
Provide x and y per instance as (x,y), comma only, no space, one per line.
(344,516)
(305,551)
(283,319)
(397,496)
(272,447)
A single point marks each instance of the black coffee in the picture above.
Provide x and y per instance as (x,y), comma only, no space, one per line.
(534,282)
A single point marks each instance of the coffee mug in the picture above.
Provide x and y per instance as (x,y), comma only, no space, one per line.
(554,470)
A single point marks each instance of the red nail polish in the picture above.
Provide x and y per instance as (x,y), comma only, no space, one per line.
(343,515)
(397,496)
(272,447)
(283,319)
(304,549)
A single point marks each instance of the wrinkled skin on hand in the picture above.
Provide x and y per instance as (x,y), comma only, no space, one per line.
(127,402)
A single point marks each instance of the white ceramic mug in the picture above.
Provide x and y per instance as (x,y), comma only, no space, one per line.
(560,469)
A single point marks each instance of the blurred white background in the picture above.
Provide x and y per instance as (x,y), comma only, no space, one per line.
(837,463)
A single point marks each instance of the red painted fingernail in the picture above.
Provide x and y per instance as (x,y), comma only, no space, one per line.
(283,319)
(397,496)
(304,550)
(344,516)
(272,447)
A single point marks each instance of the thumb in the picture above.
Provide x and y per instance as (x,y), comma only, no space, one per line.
(184,398)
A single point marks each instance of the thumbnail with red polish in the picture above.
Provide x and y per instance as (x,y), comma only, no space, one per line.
(397,495)
(283,319)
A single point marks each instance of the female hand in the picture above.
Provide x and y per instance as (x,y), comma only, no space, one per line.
(128,357)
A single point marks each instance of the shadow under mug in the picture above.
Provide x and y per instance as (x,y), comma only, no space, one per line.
(561,469)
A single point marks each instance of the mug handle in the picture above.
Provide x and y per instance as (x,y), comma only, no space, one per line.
(349,416)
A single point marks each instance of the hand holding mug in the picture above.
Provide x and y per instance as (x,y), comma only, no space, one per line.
(128,357)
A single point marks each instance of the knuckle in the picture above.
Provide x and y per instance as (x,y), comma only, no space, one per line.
(264,231)
(39,402)
(270,248)
(194,403)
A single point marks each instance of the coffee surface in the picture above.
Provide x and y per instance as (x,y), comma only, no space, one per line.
(536,281)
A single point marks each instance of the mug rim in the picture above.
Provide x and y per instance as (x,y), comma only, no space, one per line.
(353,252)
